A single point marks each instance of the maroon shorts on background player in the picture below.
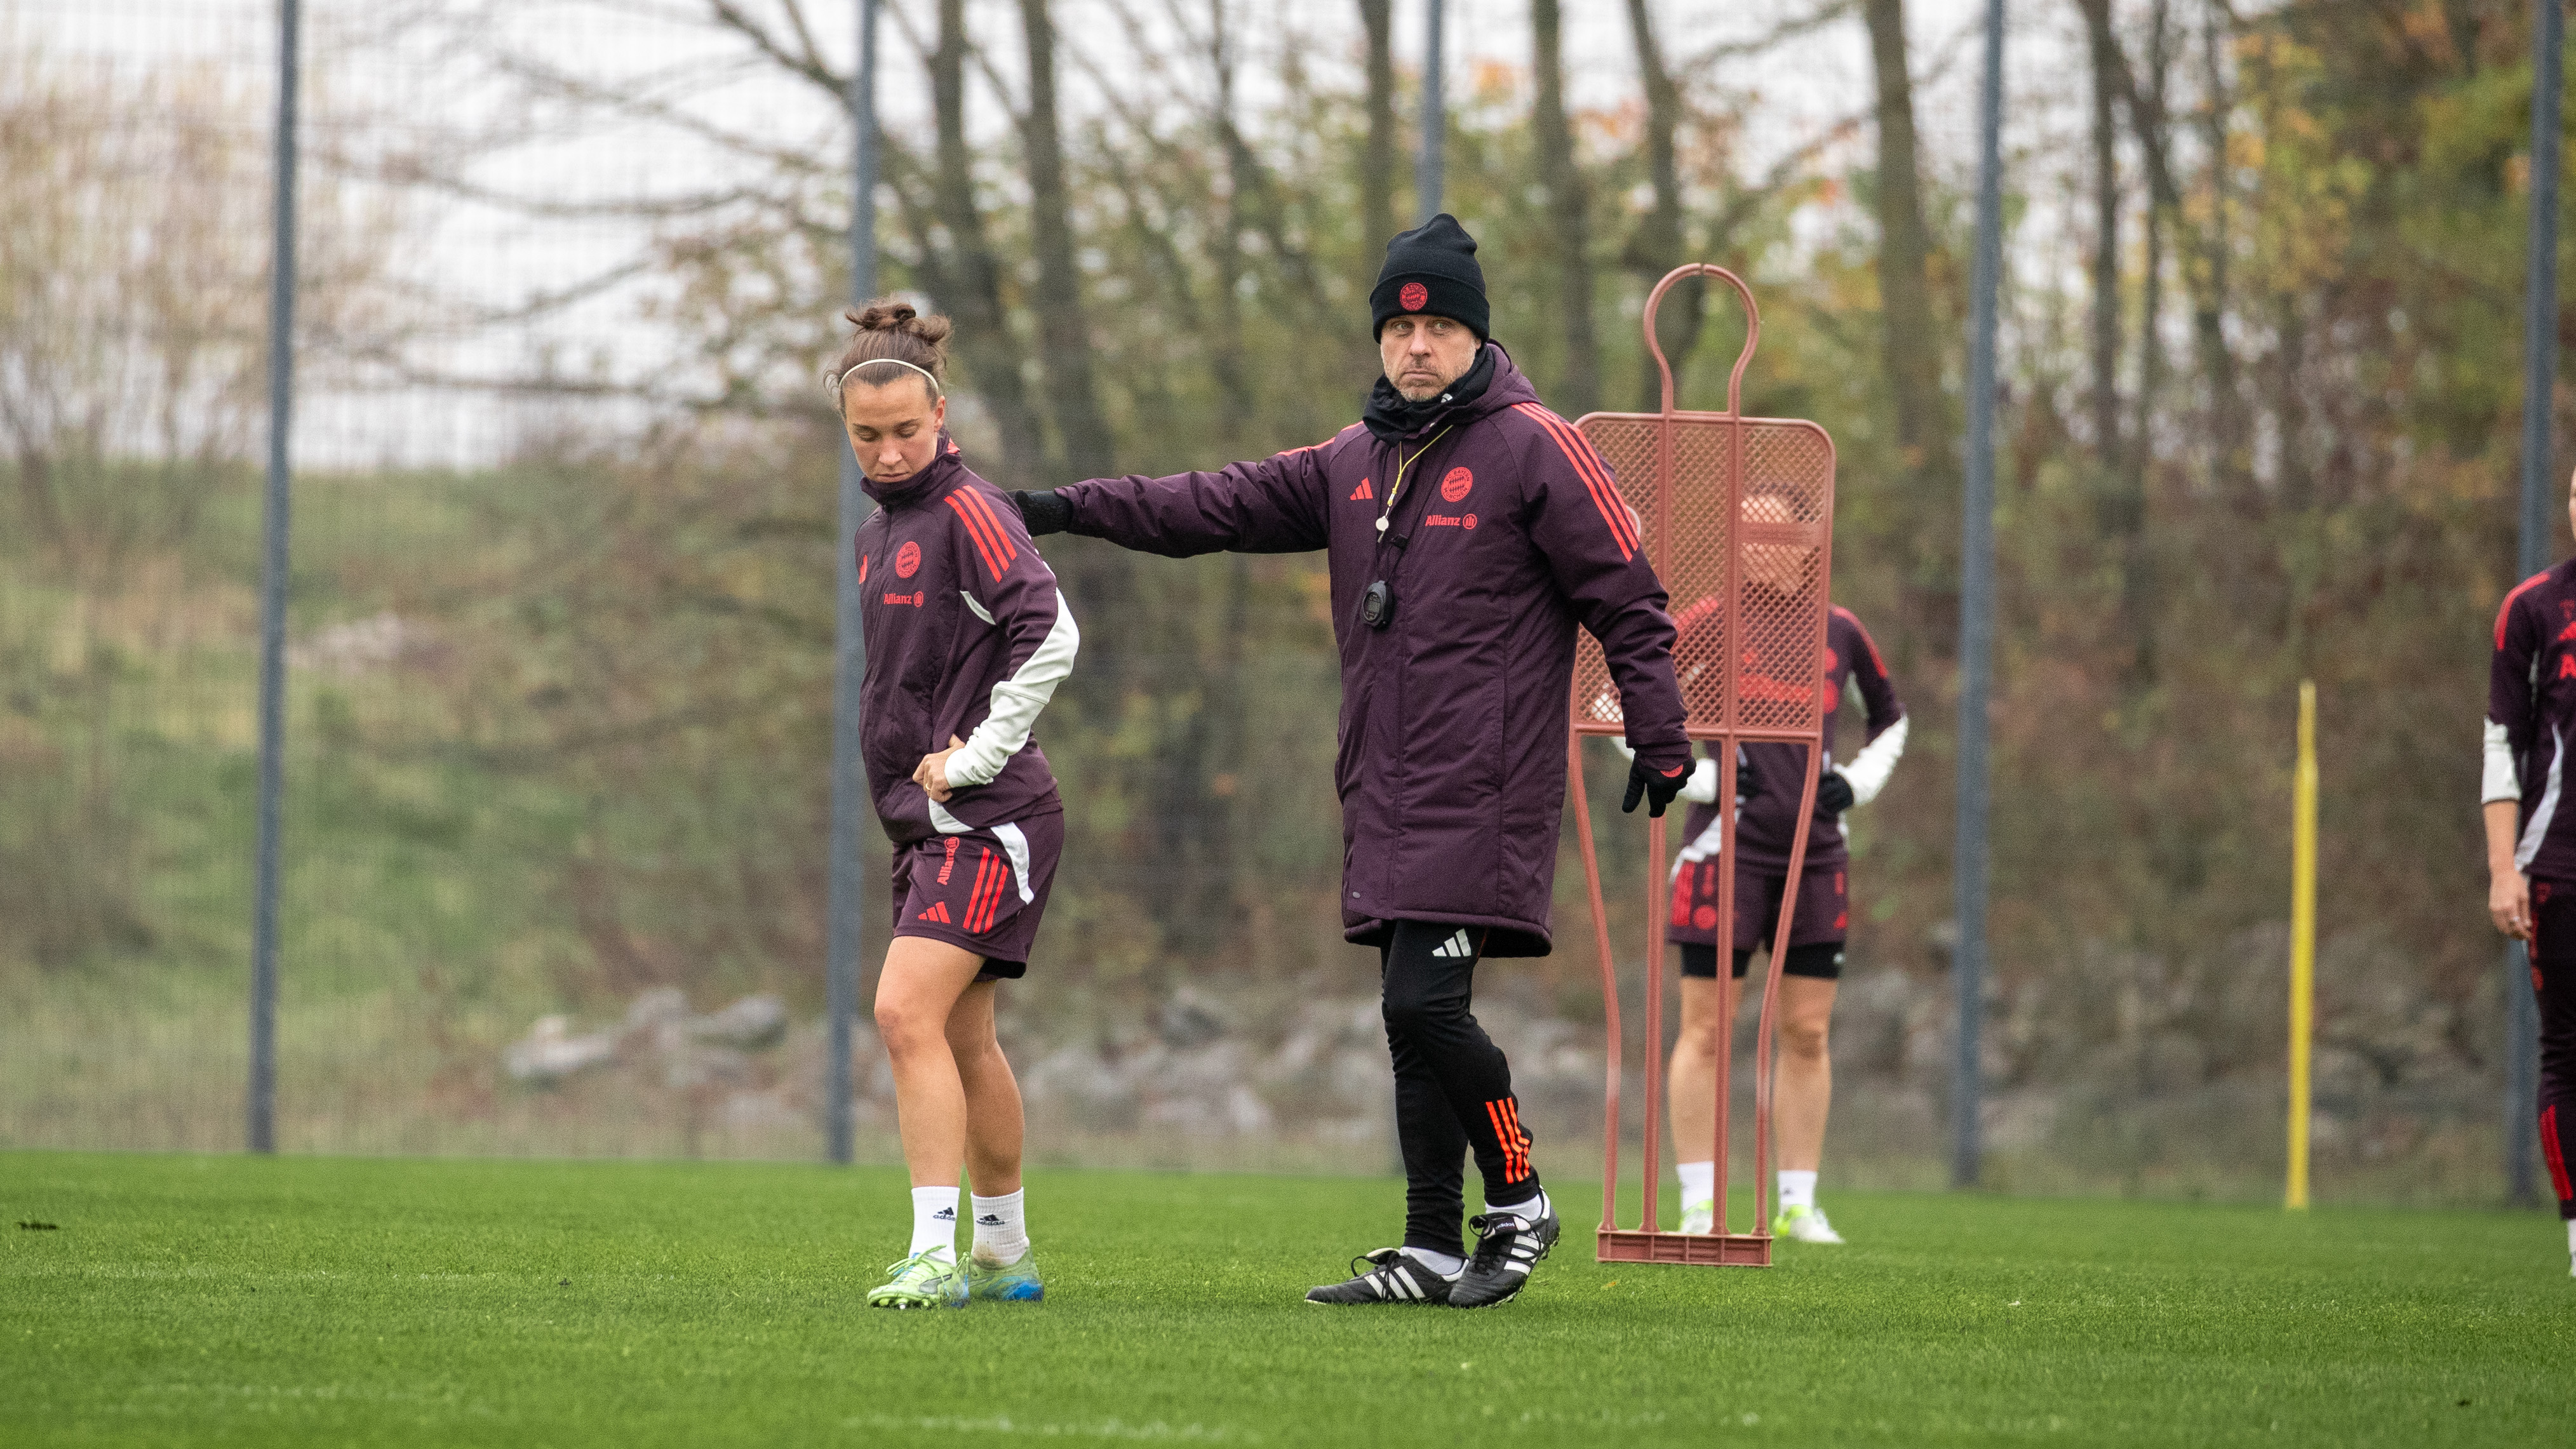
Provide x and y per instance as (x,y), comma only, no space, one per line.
(1824,908)
(982,891)
(2553,981)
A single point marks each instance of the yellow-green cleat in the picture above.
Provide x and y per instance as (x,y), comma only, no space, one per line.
(1005,1282)
(1804,1224)
(924,1280)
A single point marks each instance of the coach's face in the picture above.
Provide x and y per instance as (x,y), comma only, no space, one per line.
(1422,355)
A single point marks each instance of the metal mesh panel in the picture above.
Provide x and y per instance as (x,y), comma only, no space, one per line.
(1786,498)
(1627,444)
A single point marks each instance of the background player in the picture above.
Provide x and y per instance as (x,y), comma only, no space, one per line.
(1768,783)
(967,639)
(2531,833)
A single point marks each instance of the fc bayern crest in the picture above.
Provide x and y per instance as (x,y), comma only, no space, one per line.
(1457,485)
(1415,296)
(907,561)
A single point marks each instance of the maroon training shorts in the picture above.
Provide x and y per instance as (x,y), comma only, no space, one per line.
(1824,909)
(982,891)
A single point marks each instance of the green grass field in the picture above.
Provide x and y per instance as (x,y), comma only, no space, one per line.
(186,1300)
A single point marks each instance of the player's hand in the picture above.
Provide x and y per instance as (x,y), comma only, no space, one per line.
(932,773)
(1834,793)
(1043,511)
(2509,904)
(1656,787)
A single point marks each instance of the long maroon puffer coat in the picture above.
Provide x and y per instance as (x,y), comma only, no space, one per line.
(1506,532)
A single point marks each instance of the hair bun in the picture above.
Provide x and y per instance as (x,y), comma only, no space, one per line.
(884,316)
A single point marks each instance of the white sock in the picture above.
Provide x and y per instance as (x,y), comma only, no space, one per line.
(934,1221)
(2571,1245)
(1797,1189)
(1699,1181)
(1530,1208)
(1447,1265)
(1001,1228)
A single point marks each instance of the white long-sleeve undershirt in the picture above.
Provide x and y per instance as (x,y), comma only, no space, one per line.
(2499,780)
(1016,700)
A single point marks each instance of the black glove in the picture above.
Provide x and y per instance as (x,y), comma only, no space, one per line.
(1043,511)
(1834,793)
(1653,786)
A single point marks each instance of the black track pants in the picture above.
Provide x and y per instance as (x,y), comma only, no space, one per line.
(2553,981)
(1453,1089)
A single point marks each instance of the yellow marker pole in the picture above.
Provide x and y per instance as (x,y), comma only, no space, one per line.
(2303,940)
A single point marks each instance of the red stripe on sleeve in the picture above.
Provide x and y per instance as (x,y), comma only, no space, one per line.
(993,528)
(2505,610)
(975,531)
(1866,641)
(1595,475)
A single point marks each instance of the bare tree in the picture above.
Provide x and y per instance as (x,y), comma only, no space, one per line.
(1072,401)
(1655,248)
(1377,168)
(1578,384)
(2106,244)
(1913,354)
(973,272)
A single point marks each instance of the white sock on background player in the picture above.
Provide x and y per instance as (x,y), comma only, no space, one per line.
(1001,1228)
(2571,1247)
(934,1221)
(1699,1180)
(1797,1189)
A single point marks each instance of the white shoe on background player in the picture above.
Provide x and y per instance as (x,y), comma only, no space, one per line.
(1700,1216)
(1804,1224)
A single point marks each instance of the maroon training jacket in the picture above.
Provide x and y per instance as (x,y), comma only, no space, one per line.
(1452,760)
(966,636)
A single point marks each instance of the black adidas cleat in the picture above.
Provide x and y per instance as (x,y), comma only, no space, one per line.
(1507,1247)
(1385,1276)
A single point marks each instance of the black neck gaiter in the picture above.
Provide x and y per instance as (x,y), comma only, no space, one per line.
(1391,419)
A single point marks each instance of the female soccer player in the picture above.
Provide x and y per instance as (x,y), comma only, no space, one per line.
(1769,779)
(2531,834)
(967,639)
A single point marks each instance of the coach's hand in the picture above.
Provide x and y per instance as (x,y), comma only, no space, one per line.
(932,773)
(1043,511)
(1834,793)
(1655,787)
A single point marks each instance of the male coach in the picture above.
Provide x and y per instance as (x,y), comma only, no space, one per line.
(1468,531)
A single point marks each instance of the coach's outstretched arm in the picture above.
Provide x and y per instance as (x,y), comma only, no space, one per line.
(1275,505)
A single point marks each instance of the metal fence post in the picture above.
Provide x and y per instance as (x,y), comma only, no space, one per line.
(2539,386)
(1977,612)
(1427,175)
(261,1106)
(850,654)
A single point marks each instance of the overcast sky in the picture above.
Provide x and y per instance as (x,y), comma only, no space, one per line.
(496,258)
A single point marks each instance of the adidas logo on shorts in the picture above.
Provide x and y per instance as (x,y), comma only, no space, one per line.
(938,912)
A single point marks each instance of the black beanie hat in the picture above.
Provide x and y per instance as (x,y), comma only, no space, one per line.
(1432,269)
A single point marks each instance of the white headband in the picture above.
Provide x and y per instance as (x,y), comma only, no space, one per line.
(837,380)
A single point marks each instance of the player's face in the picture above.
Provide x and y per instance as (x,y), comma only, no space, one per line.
(1423,355)
(894,429)
(1778,566)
